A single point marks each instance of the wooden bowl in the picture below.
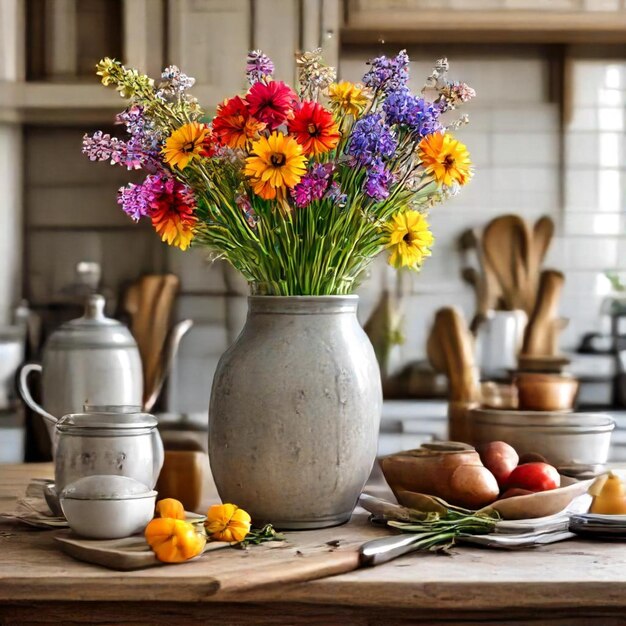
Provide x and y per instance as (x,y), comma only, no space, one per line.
(432,470)
(545,392)
(543,503)
(532,506)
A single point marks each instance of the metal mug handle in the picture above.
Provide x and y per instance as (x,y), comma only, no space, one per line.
(22,386)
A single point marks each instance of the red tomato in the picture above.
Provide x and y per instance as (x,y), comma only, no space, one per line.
(534,477)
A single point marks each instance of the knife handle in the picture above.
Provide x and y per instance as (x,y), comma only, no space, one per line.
(386,549)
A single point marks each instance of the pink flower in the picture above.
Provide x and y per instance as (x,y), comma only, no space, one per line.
(271,103)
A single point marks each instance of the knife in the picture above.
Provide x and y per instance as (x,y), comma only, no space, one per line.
(386,549)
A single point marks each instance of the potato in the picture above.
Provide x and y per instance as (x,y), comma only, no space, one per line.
(474,486)
(500,459)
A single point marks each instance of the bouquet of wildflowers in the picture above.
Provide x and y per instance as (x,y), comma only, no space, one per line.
(298,190)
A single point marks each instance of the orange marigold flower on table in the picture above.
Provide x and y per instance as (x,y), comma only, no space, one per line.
(227,522)
(233,126)
(174,540)
(314,128)
(410,239)
(185,144)
(276,163)
(445,158)
(348,97)
(170,507)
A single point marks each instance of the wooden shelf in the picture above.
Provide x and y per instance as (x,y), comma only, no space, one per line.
(406,27)
(65,103)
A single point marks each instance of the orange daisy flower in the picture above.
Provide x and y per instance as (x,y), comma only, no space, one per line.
(276,163)
(185,144)
(233,125)
(314,128)
(445,159)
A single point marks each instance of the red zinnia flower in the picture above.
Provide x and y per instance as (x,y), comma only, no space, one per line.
(208,147)
(233,126)
(314,128)
(271,102)
(172,213)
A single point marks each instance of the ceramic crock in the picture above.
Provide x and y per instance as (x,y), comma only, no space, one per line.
(119,444)
(295,412)
(89,360)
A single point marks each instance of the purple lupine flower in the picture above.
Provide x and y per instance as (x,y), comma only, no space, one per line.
(388,74)
(377,182)
(142,149)
(175,82)
(259,67)
(313,185)
(371,139)
(139,200)
(134,201)
(335,194)
(402,107)
(102,147)
(133,118)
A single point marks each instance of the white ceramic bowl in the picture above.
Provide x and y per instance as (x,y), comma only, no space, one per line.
(562,439)
(107,507)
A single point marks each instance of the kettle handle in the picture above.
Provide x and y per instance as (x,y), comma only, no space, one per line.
(158,454)
(22,386)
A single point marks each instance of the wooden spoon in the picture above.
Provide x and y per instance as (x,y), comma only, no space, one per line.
(506,246)
(539,339)
(543,231)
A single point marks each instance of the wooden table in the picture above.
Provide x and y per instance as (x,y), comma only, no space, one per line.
(573,582)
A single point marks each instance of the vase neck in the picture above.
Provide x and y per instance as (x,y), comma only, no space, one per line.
(303,305)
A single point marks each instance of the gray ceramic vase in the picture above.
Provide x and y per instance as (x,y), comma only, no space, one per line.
(295,411)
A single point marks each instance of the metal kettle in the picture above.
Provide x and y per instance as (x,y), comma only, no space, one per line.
(90,360)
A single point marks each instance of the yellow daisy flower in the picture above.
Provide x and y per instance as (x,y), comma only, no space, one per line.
(410,239)
(276,162)
(348,97)
(445,158)
(185,144)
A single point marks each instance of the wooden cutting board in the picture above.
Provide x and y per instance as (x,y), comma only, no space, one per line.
(304,556)
(125,555)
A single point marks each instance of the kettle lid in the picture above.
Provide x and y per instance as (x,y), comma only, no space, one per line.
(93,330)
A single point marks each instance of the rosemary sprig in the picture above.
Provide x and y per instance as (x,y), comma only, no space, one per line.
(257,536)
(438,532)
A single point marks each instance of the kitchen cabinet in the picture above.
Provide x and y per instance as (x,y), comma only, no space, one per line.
(485,21)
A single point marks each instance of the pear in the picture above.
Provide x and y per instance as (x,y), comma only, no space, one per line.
(609,496)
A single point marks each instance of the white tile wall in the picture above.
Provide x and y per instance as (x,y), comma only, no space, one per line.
(515,143)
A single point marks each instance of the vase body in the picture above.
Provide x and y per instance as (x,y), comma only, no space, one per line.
(295,412)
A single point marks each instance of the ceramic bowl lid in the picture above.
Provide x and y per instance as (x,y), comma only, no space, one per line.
(92,330)
(107,421)
(106,487)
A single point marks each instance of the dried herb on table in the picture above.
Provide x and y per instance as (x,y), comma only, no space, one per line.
(257,536)
(438,532)
(436,526)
